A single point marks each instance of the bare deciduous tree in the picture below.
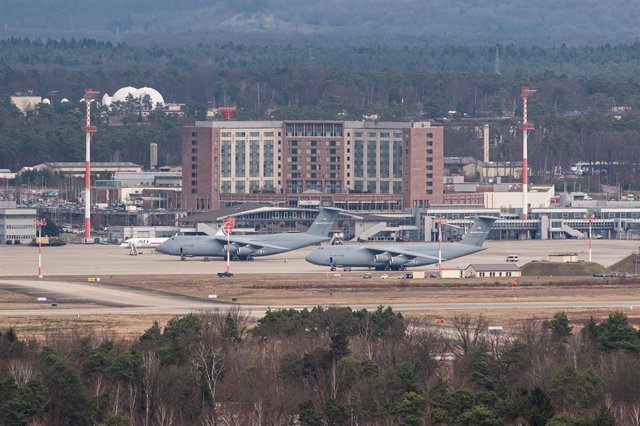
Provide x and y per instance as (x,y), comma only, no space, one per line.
(468,331)
(21,370)
(150,368)
(165,415)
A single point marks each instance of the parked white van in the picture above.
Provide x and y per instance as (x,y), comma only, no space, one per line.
(513,258)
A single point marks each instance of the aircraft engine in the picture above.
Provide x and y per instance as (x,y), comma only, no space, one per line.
(382,258)
(244,251)
(399,260)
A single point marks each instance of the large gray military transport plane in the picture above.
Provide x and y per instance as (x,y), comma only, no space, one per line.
(248,247)
(400,256)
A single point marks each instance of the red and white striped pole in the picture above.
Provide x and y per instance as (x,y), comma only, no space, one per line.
(39,225)
(88,129)
(439,221)
(526,127)
(227,228)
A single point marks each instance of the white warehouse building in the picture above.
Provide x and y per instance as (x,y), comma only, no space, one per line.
(16,225)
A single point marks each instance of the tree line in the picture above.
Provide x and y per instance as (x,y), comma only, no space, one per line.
(587,107)
(332,366)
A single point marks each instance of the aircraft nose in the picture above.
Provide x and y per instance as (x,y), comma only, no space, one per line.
(314,257)
(165,247)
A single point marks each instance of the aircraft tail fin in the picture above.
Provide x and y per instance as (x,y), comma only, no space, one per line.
(479,230)
(324,222)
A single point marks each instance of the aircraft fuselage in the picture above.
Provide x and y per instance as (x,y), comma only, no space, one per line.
(362,256)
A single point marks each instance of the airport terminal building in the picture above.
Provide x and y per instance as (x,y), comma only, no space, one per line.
(17,225)
(351,164)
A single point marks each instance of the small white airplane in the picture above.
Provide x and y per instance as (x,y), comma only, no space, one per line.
(143,242)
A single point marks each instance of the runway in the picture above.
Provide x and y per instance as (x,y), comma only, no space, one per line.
(73,299)
(105,260)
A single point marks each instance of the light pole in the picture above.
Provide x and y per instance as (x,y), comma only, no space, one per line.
(439,221)
(590,219)
(39,224)
(227,228)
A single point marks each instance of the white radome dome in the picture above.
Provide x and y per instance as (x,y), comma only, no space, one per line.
(122,94)
(64,100)
(156,97)
(106,99)
(46,101)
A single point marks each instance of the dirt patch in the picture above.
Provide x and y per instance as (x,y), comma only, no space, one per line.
(122,326)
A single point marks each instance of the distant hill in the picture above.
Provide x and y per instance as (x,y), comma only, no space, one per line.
(440,21)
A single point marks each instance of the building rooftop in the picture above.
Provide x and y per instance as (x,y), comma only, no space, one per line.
(488,267)
(93,164)
(250,207)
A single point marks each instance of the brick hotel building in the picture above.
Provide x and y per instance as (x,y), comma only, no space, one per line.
(350,164)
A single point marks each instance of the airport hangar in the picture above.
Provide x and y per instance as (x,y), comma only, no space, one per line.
(609,221)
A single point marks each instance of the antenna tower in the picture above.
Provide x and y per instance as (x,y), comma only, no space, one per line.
(88,129)
(526,127)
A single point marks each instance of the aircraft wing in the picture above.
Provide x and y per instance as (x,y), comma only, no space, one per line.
(248,242)
(399,252)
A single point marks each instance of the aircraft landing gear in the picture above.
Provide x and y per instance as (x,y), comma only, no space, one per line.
(183,258)
(333,268)
(206,259)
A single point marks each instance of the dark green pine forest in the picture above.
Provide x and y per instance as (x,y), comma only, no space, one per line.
(326,367)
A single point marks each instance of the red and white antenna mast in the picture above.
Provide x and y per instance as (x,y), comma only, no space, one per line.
(227,112)
(526,127)
(88,129)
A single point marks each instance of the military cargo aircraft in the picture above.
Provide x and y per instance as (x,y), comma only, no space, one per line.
(398,257)
(248,247)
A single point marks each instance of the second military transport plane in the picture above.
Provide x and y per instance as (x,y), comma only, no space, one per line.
(248,247)
(400,256)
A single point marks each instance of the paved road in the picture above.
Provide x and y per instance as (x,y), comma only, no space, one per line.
(99,260)
(128,301)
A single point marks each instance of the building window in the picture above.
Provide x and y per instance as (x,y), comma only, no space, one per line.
(254,134)
(240,134)
(429,135)
(194,150)
(226,134)
(194,158)
(194,134)
(429,167)
(194,190)
(194,175)
(429,159)
(194,142)
(429,143)
(429,151)
(429,191)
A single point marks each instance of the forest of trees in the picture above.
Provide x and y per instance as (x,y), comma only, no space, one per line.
(573,108)
(329,366)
